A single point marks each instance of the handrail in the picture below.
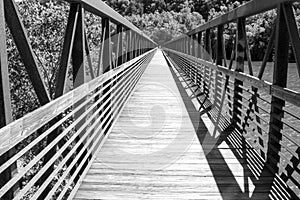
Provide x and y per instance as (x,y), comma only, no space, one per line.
(58,140)
(252,116)
(269,111)
(19,130)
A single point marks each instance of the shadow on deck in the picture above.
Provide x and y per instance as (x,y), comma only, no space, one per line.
(246,173)
(214,160)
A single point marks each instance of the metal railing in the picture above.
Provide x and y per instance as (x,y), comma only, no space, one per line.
(59,139)
(265,116)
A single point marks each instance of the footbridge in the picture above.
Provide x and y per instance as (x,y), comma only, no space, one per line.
(180,120)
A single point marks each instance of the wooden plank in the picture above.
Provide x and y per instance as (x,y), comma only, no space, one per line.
(57,154)
(92,141)
(124,168)
(111,156)
(132,84)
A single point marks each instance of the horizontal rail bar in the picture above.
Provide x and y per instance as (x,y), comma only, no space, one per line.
(252,118)
(121,82)
(20,129)
(284,93)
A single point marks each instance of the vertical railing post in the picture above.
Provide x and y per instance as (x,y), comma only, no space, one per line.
(133,46)
(206,56)
(279,79)
(107,53)
(207,45)
(79,74)
(140,46)
(5,103)
(219,50)
(186,45)
(240,58)
(189,45)
(120,45)
(128,45)
(193,44)
(219,59)
(106,44)
(200,48)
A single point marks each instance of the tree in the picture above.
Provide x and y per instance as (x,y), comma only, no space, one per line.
(126,7)
(164,26)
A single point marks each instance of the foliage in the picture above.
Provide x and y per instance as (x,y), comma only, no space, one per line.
(45,25)
(164,26)
(126,7)
(162,20)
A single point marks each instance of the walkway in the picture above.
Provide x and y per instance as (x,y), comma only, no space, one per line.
(153,151)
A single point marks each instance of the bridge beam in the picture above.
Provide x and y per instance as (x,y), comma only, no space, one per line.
(5,103)
(120,45)
(21,40)
(66,52)
(280,73)
(194,39)
(106,40)
(240,58)
(128,45)
(200,48)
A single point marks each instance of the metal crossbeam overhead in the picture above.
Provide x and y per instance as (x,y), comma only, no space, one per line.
(100,8)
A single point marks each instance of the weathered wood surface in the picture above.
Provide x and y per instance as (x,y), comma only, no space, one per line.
(153,151)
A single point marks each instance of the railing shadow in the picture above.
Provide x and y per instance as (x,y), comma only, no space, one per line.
(246,174)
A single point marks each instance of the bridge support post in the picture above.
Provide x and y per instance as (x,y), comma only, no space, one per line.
(5,104)
(186,45)
(107,62)
(219,61)
(193,45)
(79,78)
(128,45)
(207,45)
(133,42)
(206,56)
(240,58)
(200,48)
(120,44)
(279,79)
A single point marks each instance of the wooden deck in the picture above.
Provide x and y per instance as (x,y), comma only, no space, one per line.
(153,151)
